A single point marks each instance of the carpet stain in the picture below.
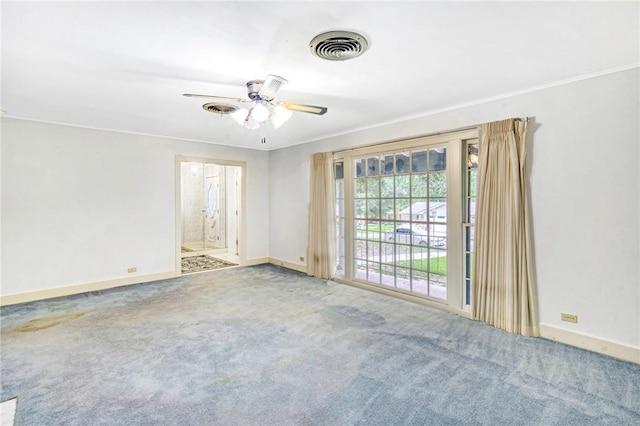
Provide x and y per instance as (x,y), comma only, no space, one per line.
(285,362)
(61,306)
(222,381)
(46,322)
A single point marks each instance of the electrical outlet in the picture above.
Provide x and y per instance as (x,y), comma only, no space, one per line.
(301,258)
(569,317)
(132,270)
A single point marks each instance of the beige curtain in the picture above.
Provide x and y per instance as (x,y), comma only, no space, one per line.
(503,289)
(321,253)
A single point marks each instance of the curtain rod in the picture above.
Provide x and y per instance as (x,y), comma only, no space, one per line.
(459,129)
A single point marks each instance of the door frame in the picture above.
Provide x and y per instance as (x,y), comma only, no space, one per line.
(241,201)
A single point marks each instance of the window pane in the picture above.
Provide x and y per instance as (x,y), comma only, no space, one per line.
(387,277)
(472,156)
(402,163)
(403,253)
(373,166)
(387,252)
(471,209)
(437,185)
(469,238)
(386,209)
(402,186)
(360,166)
(387,189)
(419,185)
(419,210)
(438,286)
(373,274)
(404,274)
(438,210)
(472,181)
(373,208)
(419,161)
(373,187)
(402,209)
(438,241)
(360,188)
(361,208)
(438,159)
(373,231)
(338,170)
(386,165)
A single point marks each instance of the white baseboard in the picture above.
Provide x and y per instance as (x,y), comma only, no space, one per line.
(590,343)
(256,261)
(289,265)
(49,293)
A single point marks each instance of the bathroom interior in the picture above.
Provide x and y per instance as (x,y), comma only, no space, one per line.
(210,210)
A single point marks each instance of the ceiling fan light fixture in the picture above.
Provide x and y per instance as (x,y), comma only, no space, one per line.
(240,115)
(251,124)
(280,115)
(260,112)
(261,106)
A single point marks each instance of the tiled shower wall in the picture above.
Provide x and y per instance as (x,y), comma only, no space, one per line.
(192,202)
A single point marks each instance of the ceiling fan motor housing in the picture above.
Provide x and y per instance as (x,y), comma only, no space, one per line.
(253,89)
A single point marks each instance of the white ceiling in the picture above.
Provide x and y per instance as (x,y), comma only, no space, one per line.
(124,65)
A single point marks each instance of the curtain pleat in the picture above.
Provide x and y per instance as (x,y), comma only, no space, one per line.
(321,252)
(504,293)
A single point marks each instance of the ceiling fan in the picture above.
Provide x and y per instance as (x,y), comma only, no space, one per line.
(262,107)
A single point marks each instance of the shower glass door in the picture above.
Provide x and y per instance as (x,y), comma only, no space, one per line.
(203,206)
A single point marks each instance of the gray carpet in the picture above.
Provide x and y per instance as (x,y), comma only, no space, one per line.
(267,346)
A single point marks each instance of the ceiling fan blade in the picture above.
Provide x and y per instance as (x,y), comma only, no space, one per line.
(270,87)
(194,95)
(311,109)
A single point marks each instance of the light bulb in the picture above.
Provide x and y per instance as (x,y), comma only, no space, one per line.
(260,113)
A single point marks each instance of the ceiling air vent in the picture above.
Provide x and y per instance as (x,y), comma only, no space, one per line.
(338,45)
(217,108)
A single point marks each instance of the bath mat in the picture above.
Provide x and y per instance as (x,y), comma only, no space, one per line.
(203,263)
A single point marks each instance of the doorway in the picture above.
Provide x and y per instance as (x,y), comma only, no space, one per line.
(209,214)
